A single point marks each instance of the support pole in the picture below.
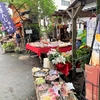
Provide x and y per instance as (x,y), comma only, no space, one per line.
(74,40)
(73,11)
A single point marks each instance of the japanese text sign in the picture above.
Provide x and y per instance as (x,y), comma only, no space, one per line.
(6,20)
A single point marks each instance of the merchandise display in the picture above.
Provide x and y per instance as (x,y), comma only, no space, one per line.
(40,73)
(39,48)
(50,44)
(52,87)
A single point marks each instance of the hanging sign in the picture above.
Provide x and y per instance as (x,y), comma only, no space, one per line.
(90,30)
(28,31)
(91,23)
(6,20)
(95,58)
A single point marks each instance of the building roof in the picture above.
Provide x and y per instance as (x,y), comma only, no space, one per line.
(90,6)
(65,14)
(86,12)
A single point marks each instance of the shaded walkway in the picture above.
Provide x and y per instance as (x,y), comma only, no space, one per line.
(16,81)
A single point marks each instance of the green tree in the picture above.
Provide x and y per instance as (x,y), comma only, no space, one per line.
(98,6)
(42,9)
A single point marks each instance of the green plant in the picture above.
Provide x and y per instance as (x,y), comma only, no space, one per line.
(8,46)
(82,56)
(17,50)
(83,37)
(55,56)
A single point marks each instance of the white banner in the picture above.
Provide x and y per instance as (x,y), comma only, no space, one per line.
(90,30)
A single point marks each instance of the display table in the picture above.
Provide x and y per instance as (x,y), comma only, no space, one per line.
(52,91)
(39,50)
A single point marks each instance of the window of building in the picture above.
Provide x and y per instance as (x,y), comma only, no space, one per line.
(65,3)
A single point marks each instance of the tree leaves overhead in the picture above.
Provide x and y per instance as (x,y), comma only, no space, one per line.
(40,8)
(98,6)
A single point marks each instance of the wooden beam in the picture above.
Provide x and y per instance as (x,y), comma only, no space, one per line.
(77,4)
(78,9)
(70,13)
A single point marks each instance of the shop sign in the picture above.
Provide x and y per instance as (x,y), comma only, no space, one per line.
(5,19)
(28,31)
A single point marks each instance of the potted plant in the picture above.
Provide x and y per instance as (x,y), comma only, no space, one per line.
(82,56)
(61,60)
(58,58)
(17,50)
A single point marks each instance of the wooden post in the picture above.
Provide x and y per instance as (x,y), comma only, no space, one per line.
(73,11)
(74,34)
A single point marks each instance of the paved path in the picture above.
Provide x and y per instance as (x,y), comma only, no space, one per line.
(16,81)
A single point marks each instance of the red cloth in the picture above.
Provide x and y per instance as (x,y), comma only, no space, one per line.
(39,50)
(64,68)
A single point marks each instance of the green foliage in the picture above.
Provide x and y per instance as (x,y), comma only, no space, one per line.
(69,58)
(83,37)
(8,46)
(33,25)
(17,50)
(53,56)
(82,56)
(46,8)
(98,6)
(50,28)
(40,8)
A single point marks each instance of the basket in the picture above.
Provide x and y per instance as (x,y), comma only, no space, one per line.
(40,73)
(49,81)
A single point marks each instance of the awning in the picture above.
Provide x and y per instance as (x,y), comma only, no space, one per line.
(89,6)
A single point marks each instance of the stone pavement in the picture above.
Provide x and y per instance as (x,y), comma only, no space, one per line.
(16,81)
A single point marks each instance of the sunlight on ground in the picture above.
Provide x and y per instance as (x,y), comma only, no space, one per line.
(23,57)
(14,55)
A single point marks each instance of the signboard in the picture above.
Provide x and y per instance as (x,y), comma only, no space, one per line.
(90,30)
(28,31)
(93,72)
(5,19)
(95,58)
(92,76)
(91,23)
